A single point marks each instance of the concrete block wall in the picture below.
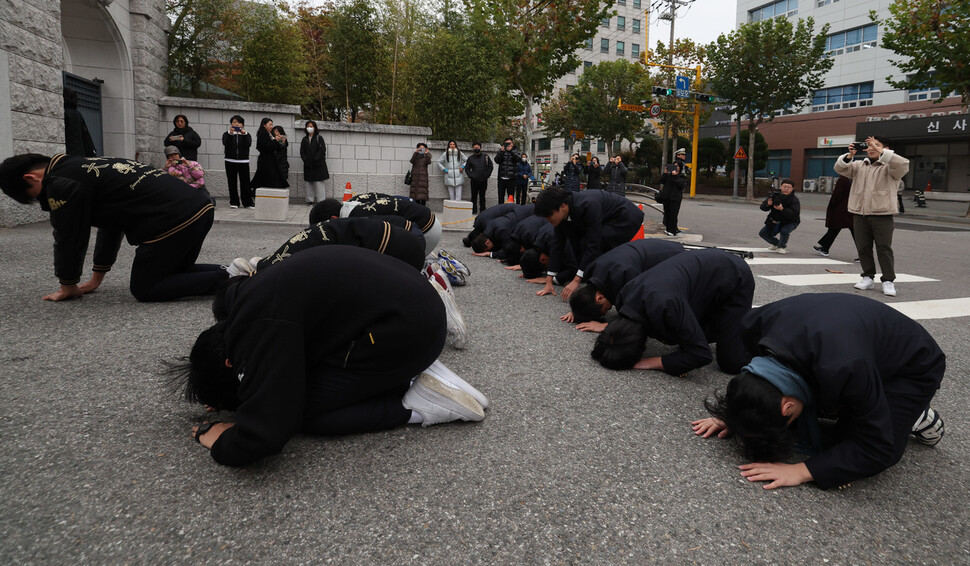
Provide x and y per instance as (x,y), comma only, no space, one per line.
(371,157)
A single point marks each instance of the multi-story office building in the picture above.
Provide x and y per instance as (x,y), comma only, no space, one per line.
(857,101)
(620,36)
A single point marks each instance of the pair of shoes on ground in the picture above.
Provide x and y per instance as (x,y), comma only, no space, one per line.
(821,251)
(867,283)
(243,266)
(929,427)
(779,249)
(440,396)
(457,331)
(672,234)
(454,269)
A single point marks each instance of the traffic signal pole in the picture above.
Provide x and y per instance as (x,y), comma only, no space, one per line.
(697,122)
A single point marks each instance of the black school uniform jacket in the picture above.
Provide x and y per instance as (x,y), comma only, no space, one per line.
(373,204)
(617,267)
(294,326)
(491,213)
(534,232)
(591,215)
(674,300)
(120,198)
(391,235)
(500,229)
(853,352)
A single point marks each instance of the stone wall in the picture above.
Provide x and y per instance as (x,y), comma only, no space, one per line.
(149,53)
(371,157)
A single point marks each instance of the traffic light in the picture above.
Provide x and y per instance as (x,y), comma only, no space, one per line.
(699,97)
(661,91)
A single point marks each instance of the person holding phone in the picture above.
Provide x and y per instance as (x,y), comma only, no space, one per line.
(570,173)
(184,138)
(236,143)
(420,161)
(616,173)
(268,143)
(507,160)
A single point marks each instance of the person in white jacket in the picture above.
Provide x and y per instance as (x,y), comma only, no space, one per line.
(872,203)
(452,164)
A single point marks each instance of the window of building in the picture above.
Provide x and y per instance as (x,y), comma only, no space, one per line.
(585,145)
(620,48)
(616,147)
(780,9)
(620,22)
(587,64)
(636,4)
(778,165)
(600,146)
(851,40)
(635,26)
(924,94)
(605,22)
(543,144)
(568,144)
(842,97)
(621,2)
(604,46)
(821,162)
(820,3)
(589,43)
(635,50)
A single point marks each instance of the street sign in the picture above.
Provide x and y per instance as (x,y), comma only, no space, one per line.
(632,107)
(577,134)
(654,110)
(683,86)
(740,154)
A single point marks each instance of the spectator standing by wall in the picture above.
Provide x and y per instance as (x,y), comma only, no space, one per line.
(452,164)
(872,202)
(507,160)
(184,138)
(267,165)
(593,172)
(420,161)
(671,196)
(313,151)
(570,173)
(282,159)
(616,172)
(478,167)
(522,175)
(237,143)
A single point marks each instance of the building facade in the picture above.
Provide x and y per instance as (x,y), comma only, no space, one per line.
(623,35)
(857,101)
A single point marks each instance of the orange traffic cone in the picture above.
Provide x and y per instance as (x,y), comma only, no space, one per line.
(348,194)
(639,234)
(511,200)
(929,186)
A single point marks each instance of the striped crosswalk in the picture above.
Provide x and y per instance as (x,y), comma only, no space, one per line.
(844,274)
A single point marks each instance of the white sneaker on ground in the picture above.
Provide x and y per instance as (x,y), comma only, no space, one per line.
(888,289)
(457,331)
(233,206)
(929,428)
(437,402)
(772,248)
(254,261)
(783,251)
(240,266)
(865,284)
(448,377)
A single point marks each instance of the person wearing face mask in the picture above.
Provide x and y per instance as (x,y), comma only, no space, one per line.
(420,160)
(478,168)
(452,164)
(522,176)
(313,151)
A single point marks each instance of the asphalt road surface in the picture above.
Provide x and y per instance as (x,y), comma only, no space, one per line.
(572,464)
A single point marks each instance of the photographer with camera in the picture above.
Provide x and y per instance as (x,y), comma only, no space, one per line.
(186,170)
(570,173)
(507,160)
(872,203)
(783,217)
(615,171)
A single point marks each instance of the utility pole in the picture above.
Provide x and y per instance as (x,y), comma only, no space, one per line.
(672,16)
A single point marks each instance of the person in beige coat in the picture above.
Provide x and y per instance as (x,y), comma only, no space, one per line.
(872,203)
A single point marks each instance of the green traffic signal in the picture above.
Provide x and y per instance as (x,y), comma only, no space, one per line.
(661,91)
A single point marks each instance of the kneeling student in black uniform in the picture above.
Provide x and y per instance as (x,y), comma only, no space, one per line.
(591,222)
(297,349)
(497,233)
(690,300)
(835,356)
(608,274)
(379,204)
(165,218)
(484,217)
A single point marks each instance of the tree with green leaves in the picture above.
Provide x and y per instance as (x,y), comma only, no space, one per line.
(534,42)
(711,154)
(591,106)
(357,54)
(315,24)
(933,37)
(767,66)
(200,38)
(677,112)
(272,63)
(760,151)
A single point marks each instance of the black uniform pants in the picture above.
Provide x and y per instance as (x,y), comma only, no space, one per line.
(826,241)
(166,270)
(671,212)
(505,187)
(238,176)
(521,191)
(478,194)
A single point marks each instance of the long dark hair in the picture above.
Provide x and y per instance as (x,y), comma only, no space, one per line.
(316,129)
(751,409)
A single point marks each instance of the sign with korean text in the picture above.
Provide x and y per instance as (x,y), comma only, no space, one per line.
(683,86)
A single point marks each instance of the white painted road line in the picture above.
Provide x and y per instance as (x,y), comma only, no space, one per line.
(794,261)
(838,279)
(940,308)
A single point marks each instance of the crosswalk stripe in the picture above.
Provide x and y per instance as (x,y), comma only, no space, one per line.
(938,308)
(837,279)
(794,261)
